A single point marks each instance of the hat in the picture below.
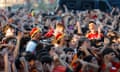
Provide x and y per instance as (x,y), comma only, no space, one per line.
(107,51)
(33,31)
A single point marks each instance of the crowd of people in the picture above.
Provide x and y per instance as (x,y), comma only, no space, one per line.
(81,41)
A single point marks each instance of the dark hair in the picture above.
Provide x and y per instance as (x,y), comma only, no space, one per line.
(92,22)
(88,58)
(23,42)
(43,56)
(81,41)
(80,54)
(30,56)
(107,51)
(48,47)
(46,59)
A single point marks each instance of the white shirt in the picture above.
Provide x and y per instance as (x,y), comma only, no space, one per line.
(31,46)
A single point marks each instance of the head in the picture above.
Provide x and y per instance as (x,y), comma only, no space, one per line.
(59,12)
(8,30)
(30,58)
(92,25)
(69,53)
(60,27)
(35,33)
(108,54)
(73,43)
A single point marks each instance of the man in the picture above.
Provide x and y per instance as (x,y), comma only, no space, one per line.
(9,31)
(33,43)
(110,62)
(95,35)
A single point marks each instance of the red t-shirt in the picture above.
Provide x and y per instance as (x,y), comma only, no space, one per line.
(116,64)
(112,69)
(59,69)
(94,36)
(49,33)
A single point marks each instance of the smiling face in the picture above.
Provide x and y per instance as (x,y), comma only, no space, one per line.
(91,26)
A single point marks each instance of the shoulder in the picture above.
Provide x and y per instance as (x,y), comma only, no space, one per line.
(31,43)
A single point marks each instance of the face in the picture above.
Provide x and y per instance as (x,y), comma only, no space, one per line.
(115,46)
(111,56)
(91,26)
(59,12)
(38,66)
(73,43)
(59,28)
(10,32)
(38,35)
(70,55)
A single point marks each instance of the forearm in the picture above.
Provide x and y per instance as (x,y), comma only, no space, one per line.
(79,29)
(14,67)
(6,62)
(93,65)
(16,51)
(66,64)
(24,64)
(6,45)
(87,53)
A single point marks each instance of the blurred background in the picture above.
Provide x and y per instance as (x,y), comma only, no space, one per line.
(104,5)
(36,4)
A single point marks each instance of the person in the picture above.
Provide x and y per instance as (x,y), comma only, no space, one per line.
(9,30)
(57,34)
(94,35)
(35,37)
(110,63)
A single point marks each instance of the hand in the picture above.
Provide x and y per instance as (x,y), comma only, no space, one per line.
(20,35)
(78,23)
(64,6)
(55,57)
(99,29)
(83,48)
(84,63)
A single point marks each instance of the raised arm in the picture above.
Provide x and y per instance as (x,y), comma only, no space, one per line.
(24,63)
(7,67)
(16,51)
(79,27)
